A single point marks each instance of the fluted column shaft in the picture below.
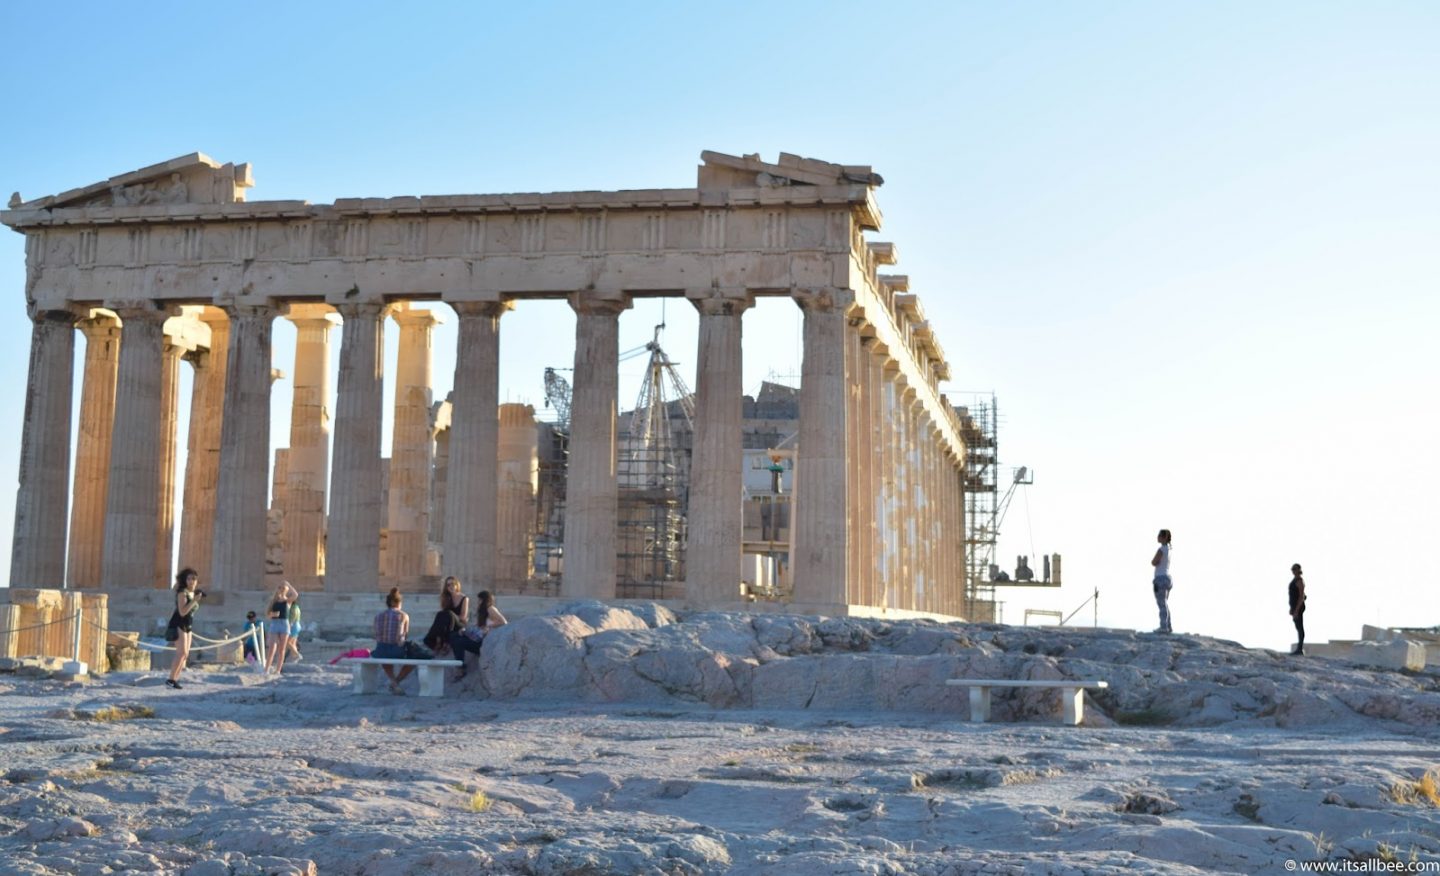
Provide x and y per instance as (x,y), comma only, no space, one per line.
(890,522)
(308,471)
(875,484)
(137,452)
(518,483)
(352,556)
(713,552)
(412,448)
(165,489)
(202,460)
(821,558)
(472,494)
(905,499)
(92,450)
(37,556)
(591,491)
(238,558)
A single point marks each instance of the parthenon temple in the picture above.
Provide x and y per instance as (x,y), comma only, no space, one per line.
(171,264)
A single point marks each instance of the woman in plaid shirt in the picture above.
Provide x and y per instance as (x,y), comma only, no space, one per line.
(392,628)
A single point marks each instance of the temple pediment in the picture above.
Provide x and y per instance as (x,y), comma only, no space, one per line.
(189,179)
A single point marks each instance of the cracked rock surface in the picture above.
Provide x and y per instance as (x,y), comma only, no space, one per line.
(598,741)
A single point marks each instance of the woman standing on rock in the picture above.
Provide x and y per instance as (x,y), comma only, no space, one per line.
(277,625)
(187,599)
(1161,562)
(454,613)
(1297,608)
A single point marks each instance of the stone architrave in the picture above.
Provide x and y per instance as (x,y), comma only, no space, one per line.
(592,489)
(308,474)
(165,489)
(37,557)
(352,554)
(713,549)
(238,558)
(202,459)
(820,560)
(471,475)
(518,482)
(412,448)
(92,449)
(132,501)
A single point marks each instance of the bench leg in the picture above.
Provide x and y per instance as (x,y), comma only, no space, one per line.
(979,704)
(1073,699)
(365,677)
(432,681)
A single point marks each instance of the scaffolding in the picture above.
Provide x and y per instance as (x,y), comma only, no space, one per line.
(653,473)
(656,438)
(979,425)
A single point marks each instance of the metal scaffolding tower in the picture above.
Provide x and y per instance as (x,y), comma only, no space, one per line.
(979,426)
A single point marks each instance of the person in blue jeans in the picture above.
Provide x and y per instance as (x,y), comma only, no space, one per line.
(392,630)
(1161,562)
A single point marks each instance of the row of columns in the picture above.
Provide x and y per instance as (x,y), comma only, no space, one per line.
(877,519)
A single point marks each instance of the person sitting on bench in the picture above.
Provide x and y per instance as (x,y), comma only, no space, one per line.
(392,628)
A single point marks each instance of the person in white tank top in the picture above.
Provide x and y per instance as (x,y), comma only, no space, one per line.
(1161,562)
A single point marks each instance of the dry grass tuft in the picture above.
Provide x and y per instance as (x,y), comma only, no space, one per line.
(479,802)
(110,714)
(1423,791)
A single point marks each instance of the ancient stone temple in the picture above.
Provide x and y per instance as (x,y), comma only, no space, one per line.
(171,264)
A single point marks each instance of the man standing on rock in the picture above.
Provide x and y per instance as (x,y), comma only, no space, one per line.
(1297,607)
(1161,562)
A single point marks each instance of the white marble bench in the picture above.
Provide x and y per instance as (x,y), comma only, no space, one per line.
(1072,694)
(431,672)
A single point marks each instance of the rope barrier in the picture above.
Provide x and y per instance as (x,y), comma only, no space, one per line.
(217,642)
(59,620)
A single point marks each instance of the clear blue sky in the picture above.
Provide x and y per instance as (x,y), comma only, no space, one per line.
(1193,248)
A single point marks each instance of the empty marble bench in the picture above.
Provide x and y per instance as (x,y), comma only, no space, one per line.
(1072,695)
(431,672)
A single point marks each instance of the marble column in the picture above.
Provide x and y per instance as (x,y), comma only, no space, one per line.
(955,530)
(202,459)
(412,450)
(37,555)
(820,559)
(713,552)
(905,498)
(132,500)
(165,489)
(352,556)
(472,495)
(92,449)
(875,484)
(591,490)
(238,555)
(890,525)
(519,482)
(308,474)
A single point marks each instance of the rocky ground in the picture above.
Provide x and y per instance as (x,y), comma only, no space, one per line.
(602,741)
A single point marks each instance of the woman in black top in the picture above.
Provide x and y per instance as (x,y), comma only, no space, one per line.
(187,599)
(451,618)
(1297,607)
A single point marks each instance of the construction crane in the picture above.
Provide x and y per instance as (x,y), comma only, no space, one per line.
(650,427)
(557,396)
